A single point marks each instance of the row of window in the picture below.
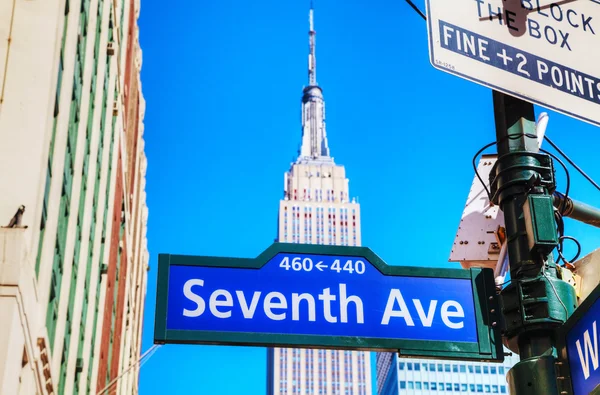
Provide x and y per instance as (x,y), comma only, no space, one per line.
(347,391)
(335,385)
(318,195)
(309,352)
(347,383)
(319,222)
(85,4)
(335,364)
(320,238)
(331,209)
(453,387)
(64,215)
(321,368)
(69,175)
(103,110)
(432,367)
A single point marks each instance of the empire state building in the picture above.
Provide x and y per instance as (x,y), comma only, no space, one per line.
(317,209)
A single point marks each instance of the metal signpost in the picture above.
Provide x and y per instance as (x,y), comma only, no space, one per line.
(580,338)
(541,51)
(328,297)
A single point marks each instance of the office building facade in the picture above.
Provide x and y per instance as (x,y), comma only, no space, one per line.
(413,376)
(73,250)
(317,209)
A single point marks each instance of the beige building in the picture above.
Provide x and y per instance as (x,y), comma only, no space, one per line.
(317,209)
(73,250)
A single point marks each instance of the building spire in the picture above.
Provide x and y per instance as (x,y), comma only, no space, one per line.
(312,59)
(314,138)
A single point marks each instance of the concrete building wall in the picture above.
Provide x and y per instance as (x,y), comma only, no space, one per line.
(316,208)
(16,307)
(27,84)
(62,129)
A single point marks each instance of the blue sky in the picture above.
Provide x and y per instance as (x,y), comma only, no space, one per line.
(223,80)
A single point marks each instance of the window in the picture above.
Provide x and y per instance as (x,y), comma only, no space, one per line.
(493,370)
(403,385)
(463,368)
(479,388)
(456,387)
(433,386)
(409,366)
(501,369)
(472,387)
(441,386)
(463,387)
(447,367)
(503,389)
(487,388)
(432,367)
(440,367)
(417,366)
(455,368)
(486,369)
(471,369)
(448,386)
(477,369)
(411,385)
(418,385)
(426,385)
(401,365)
(494,389)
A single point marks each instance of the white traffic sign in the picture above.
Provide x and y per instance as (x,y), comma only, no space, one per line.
(541,51)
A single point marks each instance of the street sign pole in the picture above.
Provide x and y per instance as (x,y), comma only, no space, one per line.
(537,301)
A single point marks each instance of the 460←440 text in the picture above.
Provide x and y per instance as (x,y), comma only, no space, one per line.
(306,264)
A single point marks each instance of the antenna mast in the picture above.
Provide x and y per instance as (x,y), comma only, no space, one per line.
(312,60)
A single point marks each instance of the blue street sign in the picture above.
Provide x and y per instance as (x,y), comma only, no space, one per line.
(324,296)
(582,339)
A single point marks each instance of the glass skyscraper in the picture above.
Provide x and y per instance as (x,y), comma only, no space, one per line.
(411,376)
